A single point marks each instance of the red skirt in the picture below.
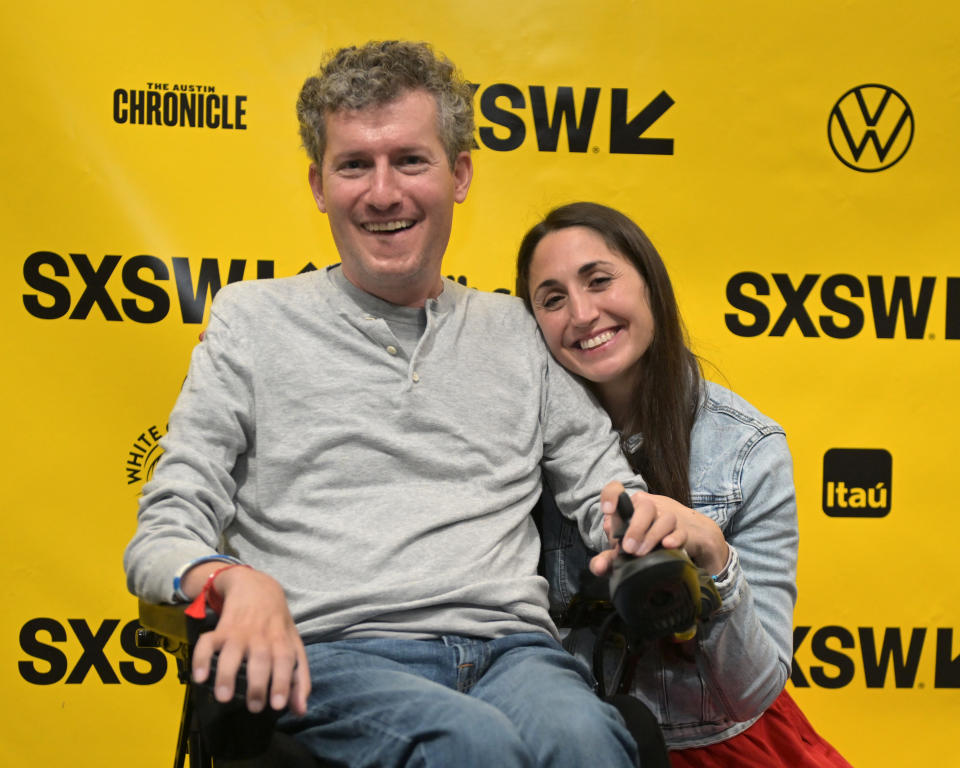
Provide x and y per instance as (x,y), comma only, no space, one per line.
(782,737)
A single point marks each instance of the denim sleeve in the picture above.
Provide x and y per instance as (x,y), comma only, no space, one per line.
(746,649)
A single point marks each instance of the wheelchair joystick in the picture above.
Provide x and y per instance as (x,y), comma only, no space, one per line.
(662,593)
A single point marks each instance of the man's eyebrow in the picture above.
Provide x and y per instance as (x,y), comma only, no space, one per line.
(359,152)
(418,150)
(348,154)
(416,147)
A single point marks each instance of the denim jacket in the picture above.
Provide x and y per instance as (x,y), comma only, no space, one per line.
(716,685)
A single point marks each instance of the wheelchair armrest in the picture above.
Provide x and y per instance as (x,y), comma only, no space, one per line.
(166,620)
(166,626)
(170,621)
(225,730)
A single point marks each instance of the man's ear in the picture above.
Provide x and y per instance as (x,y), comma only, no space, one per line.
(316,186)
(462,176)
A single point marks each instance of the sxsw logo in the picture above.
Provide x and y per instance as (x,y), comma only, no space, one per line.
(834,656)
(51,653)
(857,482)
(141,288)
(842,305)
(505,106)
(870,128)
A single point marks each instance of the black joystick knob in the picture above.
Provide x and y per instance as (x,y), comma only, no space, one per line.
(662,593)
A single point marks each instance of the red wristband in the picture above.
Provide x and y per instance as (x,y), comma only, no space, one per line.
(209,595)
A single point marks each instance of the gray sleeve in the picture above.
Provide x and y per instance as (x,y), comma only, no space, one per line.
(190,498)
(747,648)
(581,452)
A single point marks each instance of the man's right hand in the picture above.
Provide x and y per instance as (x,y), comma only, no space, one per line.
(255,625)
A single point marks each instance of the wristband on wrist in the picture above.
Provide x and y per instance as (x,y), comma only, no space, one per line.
(724,572)
(178,594)
(209,594)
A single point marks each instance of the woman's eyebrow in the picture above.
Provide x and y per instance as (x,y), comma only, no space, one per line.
(552,282)
(591,265)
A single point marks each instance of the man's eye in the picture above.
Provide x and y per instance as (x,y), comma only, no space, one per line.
(351,165)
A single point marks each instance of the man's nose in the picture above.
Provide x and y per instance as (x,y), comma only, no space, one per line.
(384,187)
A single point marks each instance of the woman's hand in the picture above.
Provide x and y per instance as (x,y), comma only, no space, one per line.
(659,520)
(704,541)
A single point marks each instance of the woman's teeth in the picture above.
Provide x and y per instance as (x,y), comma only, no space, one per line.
(597,340)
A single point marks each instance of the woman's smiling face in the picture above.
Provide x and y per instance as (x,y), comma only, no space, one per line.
(591,304)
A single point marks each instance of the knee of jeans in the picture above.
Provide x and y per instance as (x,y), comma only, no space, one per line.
(587,736)
(477,739)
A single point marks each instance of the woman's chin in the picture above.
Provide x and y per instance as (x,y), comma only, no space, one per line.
(599,372)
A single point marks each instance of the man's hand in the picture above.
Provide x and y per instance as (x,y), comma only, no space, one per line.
(255,625)
(659,520)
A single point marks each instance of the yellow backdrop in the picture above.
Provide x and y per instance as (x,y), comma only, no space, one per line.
(795,164)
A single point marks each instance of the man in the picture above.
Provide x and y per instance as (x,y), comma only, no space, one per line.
(369,439)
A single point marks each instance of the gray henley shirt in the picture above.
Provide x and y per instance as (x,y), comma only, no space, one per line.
(386,486)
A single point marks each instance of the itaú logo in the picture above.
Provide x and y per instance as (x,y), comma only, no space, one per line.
(870,128)
(857,482)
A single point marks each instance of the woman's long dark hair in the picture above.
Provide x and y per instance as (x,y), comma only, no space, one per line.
(669,377)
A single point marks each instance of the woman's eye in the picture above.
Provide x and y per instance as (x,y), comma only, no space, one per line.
(551,302)
(600,281)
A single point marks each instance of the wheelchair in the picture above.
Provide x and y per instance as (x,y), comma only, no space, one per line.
(227,735)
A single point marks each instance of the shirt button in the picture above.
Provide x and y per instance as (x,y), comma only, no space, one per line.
(415,377)
(392,350)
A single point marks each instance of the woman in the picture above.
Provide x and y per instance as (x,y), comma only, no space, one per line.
(604,303)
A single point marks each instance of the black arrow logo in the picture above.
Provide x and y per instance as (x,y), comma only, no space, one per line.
(947,673)
(627,138)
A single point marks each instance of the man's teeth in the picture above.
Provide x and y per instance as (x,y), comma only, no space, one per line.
(387,226)
(596,341)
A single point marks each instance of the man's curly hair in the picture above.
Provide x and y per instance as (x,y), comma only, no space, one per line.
(377,73)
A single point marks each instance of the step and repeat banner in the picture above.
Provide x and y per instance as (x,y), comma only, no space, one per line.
(795,164)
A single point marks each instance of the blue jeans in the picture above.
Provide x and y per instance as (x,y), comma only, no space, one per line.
(456,702)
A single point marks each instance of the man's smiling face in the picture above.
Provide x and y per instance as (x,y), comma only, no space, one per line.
(389,191)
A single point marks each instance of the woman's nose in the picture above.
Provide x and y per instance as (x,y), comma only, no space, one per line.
(583,311)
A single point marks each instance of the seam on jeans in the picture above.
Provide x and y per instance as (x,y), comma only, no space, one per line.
(420,751)
(321,715)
